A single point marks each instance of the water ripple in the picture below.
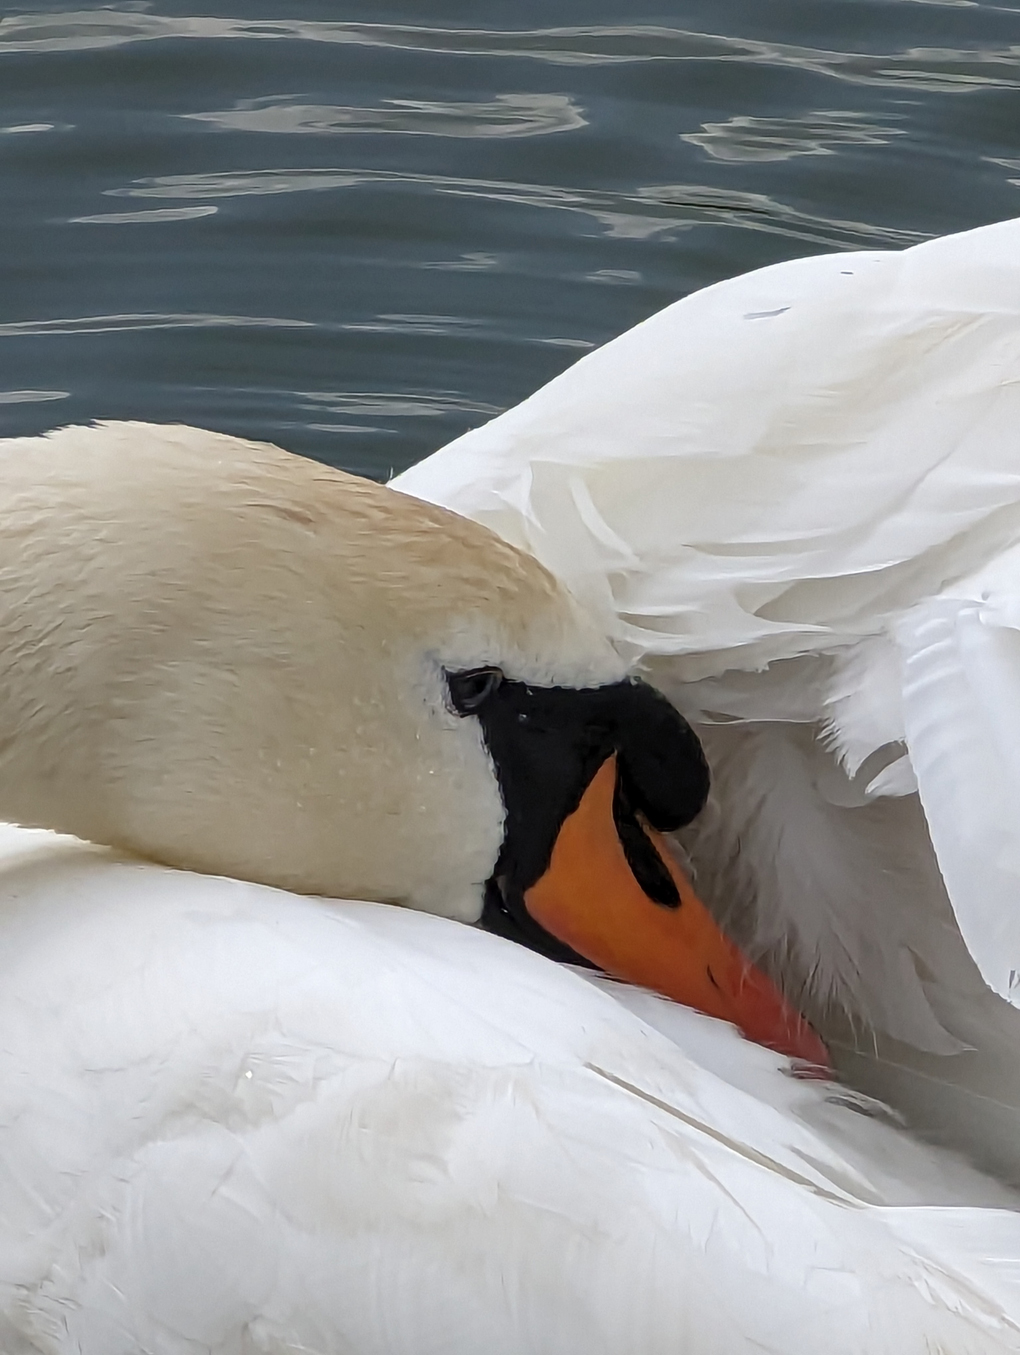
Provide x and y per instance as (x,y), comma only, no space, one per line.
(111,324)
(505,115)
(31,397)
(146,216)
(1005,164)
(394,404)
(749,140)
(19,129)
(412,324)
(935,69)
(246,183)
(638,214)
(473,261)
(361,412)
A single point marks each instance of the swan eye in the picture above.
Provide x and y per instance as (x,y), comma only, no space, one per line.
(472,688)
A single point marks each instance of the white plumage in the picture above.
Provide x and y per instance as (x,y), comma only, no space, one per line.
(236,1120)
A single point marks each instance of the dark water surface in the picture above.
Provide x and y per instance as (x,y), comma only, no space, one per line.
(359,229)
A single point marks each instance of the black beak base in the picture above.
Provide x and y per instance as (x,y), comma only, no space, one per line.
(546,744)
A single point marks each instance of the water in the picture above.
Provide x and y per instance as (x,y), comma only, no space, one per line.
(359,230)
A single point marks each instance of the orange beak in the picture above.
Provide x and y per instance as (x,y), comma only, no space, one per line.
(589,899)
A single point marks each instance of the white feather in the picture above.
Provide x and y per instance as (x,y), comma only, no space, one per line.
(962,710)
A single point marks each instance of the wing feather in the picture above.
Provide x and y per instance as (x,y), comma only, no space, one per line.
(961,702)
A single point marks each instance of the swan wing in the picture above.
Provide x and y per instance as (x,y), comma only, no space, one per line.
(764,466)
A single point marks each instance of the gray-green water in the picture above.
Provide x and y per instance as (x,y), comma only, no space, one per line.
(358,229)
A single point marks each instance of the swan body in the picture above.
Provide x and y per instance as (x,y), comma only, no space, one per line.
(234,1119)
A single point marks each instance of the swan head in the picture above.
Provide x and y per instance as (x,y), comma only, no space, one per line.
(229,659)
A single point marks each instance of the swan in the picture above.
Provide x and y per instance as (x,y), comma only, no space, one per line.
(235,1116)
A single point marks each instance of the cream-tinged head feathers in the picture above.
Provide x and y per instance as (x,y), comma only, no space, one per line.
(228,658)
